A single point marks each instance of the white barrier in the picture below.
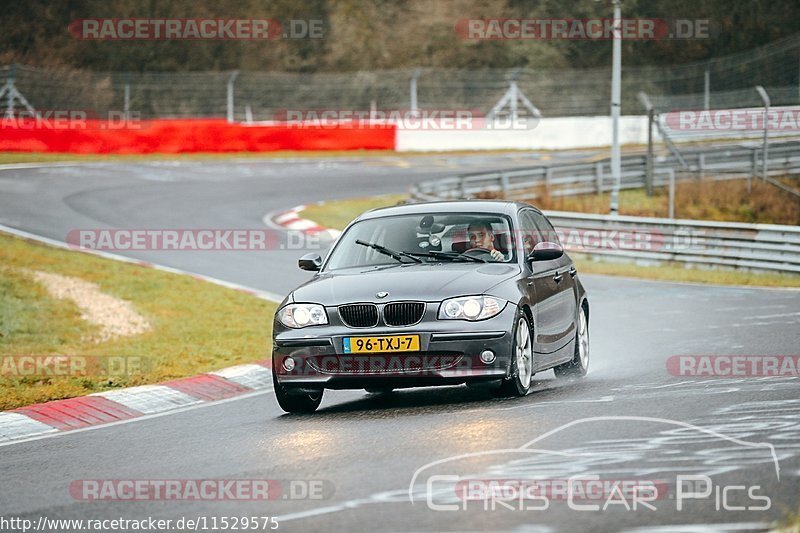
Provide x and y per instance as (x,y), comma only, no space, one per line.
(550,133)
(560,133)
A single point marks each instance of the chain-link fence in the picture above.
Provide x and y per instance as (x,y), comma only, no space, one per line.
(718,83)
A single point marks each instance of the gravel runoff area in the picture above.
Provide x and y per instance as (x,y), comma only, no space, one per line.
(115,317)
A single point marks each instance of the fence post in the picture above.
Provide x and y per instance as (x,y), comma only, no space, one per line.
(10,90)
(765,156)
(548,175)
(598,171)
(504,184)
(649,162)
(671,192)
(231,79)
(126,105)
(413,90)
(753,166)
(648,178)
(701,166)
(707,87)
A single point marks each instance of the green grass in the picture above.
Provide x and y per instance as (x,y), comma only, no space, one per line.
(678,272)
(790,524)
(39,157)
(196,326)
(337,214)
(340,213)
(46,157)
(695,199)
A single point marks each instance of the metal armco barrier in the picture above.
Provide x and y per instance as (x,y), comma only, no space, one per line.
(643,239)
(692,242)
(728,162)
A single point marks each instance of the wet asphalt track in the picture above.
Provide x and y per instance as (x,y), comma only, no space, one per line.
(365,449)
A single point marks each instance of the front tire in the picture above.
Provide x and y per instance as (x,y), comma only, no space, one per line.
(295,403)
(519,382)
(579,366)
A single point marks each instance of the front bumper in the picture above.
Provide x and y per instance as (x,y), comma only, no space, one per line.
(449,354)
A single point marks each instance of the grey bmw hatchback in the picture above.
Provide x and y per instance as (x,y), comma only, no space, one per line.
(439,293)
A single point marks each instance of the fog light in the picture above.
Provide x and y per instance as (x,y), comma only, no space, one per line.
(288,364)
(487,356)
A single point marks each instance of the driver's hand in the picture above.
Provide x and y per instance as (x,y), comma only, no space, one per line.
(497,255)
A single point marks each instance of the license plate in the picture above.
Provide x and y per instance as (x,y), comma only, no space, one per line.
(391,343)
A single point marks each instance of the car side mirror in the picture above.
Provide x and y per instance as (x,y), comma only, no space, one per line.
(545,251)
(311,262)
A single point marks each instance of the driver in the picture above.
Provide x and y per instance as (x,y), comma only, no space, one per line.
(481,235)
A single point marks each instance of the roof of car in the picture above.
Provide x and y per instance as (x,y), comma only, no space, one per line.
(449,206)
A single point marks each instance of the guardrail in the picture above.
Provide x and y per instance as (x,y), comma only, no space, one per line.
(719,163)
(649,240)
(692,242)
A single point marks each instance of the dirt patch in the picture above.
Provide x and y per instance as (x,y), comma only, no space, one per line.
(114,316)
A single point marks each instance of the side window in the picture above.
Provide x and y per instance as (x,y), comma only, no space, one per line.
(531,236)
(545,228)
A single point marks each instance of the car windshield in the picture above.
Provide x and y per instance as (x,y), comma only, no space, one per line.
(426,238)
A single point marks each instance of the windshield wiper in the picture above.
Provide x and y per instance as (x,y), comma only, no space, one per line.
(449,255)
(394,254)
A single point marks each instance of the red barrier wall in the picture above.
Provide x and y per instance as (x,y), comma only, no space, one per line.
(193,135)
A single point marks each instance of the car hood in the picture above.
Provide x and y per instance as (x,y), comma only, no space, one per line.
(425,282)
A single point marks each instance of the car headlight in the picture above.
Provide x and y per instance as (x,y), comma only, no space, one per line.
(302,315)
(471,308)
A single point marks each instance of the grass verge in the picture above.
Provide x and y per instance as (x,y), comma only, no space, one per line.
(698,199)
(677,272)
(337,214)
(47,157)
(196,326)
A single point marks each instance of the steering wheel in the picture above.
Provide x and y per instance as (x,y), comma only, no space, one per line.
(478,251)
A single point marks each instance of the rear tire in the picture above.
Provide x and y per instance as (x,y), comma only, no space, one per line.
(296,403)
(579,366)
(521,373)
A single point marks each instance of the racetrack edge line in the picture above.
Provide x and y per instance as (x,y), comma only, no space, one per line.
(62,245)
(138,418)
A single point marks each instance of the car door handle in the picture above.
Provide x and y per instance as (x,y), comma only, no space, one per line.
(573,271)
(558,278)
